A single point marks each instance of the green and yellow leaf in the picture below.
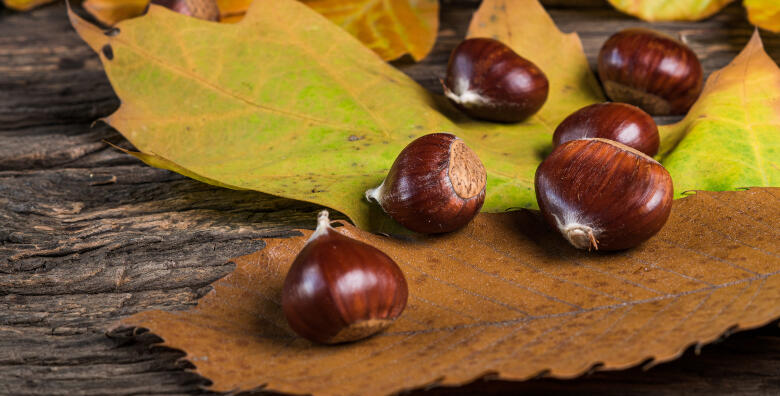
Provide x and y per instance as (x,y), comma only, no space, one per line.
(286,103)
(731,136)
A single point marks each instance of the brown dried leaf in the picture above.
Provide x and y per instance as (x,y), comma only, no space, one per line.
(504,296)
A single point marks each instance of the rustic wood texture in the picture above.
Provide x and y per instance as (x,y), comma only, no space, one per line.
(89,235)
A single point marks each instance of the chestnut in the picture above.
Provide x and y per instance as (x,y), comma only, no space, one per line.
(339,289)
(487,80)
(650,70)
(436,184)
(620,122)
(201,9)
(602,194)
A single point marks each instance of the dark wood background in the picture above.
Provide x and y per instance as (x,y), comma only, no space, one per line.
(89,235)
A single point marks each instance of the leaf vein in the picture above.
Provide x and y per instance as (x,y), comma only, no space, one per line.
(217,88)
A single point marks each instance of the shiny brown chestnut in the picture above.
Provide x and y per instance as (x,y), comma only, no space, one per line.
(650,70)
(436,184)
(620,122)
(487,80)
(201,9)
(339,289)
(603,195)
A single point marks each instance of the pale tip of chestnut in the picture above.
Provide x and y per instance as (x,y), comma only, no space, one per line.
(374,194)
(323,224)
(580,236)
(462,94)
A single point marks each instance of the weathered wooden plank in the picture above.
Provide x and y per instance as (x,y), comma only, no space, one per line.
(88,235)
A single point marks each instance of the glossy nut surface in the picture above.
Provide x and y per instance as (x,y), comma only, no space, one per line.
(603,195)
(651,70)
(339,289)
(436,184)
(487,80)
(201,9)
(621,122)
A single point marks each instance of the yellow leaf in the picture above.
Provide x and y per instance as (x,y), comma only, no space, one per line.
(731,136)
(390,28)
(232,11)
(24,5)
(764,13)
(670,10)
(113,11)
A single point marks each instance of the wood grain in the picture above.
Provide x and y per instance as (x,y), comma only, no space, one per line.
(89,235)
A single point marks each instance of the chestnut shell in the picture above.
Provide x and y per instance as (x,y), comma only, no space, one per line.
(436,184)
(621,122)
(602,194)
(650,70)
(486,79)
(339,289)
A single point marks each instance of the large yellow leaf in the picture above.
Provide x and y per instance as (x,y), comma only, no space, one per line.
(391,28)
(110,12)
(504,296)
(670,10)
(764,13)
(24,5)
(286,103)
(731,136)
(113,11)
(232,11)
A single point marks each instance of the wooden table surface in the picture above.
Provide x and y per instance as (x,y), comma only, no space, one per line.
(89,235)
